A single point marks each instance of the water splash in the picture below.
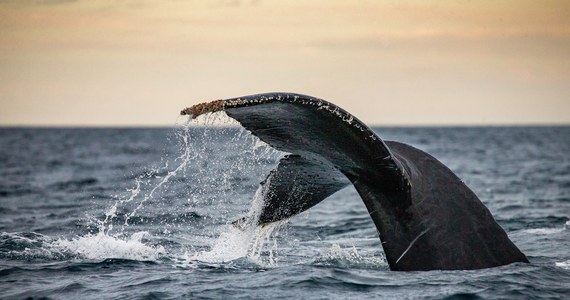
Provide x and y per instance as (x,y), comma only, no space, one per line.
(257,243)
(150,185)
(102,246)
(348,258)
(209,184)
(35,246)
(125,244)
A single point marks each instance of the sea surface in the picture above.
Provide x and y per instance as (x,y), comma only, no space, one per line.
(145,213)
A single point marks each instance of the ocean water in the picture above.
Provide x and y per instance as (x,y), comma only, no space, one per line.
(144,213)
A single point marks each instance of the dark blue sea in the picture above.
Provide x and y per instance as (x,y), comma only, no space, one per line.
(145,213)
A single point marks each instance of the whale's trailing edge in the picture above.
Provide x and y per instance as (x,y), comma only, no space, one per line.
(425,216)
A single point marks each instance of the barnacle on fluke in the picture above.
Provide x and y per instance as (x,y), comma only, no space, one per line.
(203,108)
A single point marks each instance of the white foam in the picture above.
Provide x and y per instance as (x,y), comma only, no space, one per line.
(232,244)
(563,264)
(257,243)
(548,230)
(336,252)
(350,256)
(544,231)
(265,236)
(102,246)
(247,241)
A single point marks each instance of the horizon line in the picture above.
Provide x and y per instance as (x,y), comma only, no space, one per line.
(159,126)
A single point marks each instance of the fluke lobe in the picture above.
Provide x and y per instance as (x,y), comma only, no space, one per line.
(426,217)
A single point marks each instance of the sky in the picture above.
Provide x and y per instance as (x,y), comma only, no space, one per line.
(390,63)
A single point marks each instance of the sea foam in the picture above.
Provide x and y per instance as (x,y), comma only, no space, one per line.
(102,246)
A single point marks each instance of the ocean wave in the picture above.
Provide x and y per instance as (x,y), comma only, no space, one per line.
(17,190)
(548,230)
(74,184)
(29,246)
(544,231)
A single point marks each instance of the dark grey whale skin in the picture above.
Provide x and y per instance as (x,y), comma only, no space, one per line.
(426,217)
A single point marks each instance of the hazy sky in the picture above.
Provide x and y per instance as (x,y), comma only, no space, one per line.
(122,62)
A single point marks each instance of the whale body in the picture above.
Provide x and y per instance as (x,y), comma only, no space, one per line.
(425,216)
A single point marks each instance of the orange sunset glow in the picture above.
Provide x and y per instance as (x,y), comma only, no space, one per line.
(137,63)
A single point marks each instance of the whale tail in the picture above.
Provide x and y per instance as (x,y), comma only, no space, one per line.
(426,217)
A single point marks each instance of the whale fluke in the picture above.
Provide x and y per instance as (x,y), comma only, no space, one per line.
(426,217)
